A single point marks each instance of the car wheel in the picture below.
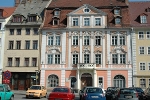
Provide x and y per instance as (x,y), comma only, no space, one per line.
(40,96)
(12,98)
(45,95)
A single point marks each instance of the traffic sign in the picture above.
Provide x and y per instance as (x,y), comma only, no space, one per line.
(36,77)
(6,81)
(7,74)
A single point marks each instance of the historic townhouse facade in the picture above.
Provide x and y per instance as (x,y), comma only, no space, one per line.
(86,43)
(22,48)
(140,23)
(5,13)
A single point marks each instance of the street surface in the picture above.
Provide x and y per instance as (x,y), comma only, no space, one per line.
(20,95)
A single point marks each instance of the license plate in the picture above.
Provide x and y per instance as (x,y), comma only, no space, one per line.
(128,96)
(94,96)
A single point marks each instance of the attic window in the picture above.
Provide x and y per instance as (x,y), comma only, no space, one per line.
(117,11)
(32,18)
(86,10)
(143,19)
(148,9)
(117,21)
(55,21)
(56,13)
(17,19)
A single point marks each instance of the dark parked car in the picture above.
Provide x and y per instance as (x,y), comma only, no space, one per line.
(111,93)
(140,92)
(147,94)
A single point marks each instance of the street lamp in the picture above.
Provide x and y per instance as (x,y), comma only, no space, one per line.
(36,75)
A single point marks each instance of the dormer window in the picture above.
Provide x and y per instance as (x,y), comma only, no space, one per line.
(1,13)
(86,10)
(17,19)
(148,9)
(55,21)
(117,20)
(56,12)
(117,11)
(32,18)
(143,18)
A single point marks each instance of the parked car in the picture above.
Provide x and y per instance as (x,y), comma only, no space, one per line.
(61,93)
(81,92)
(127,94)
(93,93)
(147,94)
(111,93)
(5,92)
(140,92)
(36,91)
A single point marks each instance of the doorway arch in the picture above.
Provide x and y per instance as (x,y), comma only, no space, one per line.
(119,81)
(86,80)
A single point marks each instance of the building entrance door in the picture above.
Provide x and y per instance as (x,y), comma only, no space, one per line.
(86,80)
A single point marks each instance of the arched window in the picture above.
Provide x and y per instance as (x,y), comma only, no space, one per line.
(53,81)
(119,81)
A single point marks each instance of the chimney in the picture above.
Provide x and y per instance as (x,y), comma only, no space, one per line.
(17,2)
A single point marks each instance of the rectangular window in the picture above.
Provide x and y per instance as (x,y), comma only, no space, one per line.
(86,40)
(11,31)
(17,19)
(31,18)
(141,35)
(98,58)
(75,58)
(117,12)
(98,40)
(50,40)
(26,62)
(27,31)
(142,66)
(97,21)
(86,58)
(35,44)
(100,82)
(143,19)
(27,45)
(86,21)
(17,62)
(141,50)
(56,13)
(57,40)
(57,59)
(10,62)
(18,31)
(114,58)
(149,82)
(122,58)
(148,50)
(50,59)
(35,31)
(122,40)
(114,40)
(34,62)
(11,44)
(142,83)
(55,21)
(75,21)
(117,21)
(75,40)
(148,35)
(148,66)
(18,44)
(0,26)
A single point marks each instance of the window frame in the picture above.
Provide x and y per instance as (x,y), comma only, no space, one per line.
(143,19)
(75,22)
(35,44)
(75,40)
(140,36)
(86,21)
(75,58)
(87,58)
(99,22)
(117,21)
(142,67)
(142,52)
(98,60)
(10,62)
(26,62)
(86,40)
(147,34)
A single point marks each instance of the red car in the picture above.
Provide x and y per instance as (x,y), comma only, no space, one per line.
(61,93)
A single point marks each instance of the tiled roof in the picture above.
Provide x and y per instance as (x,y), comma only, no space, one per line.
(7,11)
(78,3)
(67,6)
(136,9)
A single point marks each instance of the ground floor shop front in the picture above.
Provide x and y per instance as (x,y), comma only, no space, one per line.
(79,78)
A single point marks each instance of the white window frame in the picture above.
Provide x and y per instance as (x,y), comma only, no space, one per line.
(102,82)
(75,58)
(141,50)
(114,40)
(98,21)
(86,41)
(86,10)
(53,58)
(148,35)
(117,21)
(98,58)
(117,11)
(98,40)
(86,21)
(56,13)
(143,19)
(142,80)
(51,40)
(75,22)
(74,40)
(57,40)
(122,39)
(148,65)
(86,58)
(141,66)
(140,35)
(118,57)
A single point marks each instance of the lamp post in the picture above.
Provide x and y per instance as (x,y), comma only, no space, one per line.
(36,75)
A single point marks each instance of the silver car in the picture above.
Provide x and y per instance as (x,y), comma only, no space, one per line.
(127,94)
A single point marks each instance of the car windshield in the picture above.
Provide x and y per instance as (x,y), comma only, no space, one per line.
(139,90)
(94,90)
(35,87)
(111,89)
(60,90)
(127,91)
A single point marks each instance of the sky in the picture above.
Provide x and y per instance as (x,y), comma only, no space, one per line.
(10,3)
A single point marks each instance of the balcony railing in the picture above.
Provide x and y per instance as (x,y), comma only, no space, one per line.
(86,66)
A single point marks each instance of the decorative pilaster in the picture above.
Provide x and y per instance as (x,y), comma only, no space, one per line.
(103,46)
(78,80)
(42,78)
(108,78)
(95,77)
(92,47)
(69,50)
(81,47)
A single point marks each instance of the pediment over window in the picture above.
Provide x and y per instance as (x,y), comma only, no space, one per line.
(53,50)
(87,9)
(97,52)
(118,49)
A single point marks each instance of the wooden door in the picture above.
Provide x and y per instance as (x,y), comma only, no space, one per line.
(86,80)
